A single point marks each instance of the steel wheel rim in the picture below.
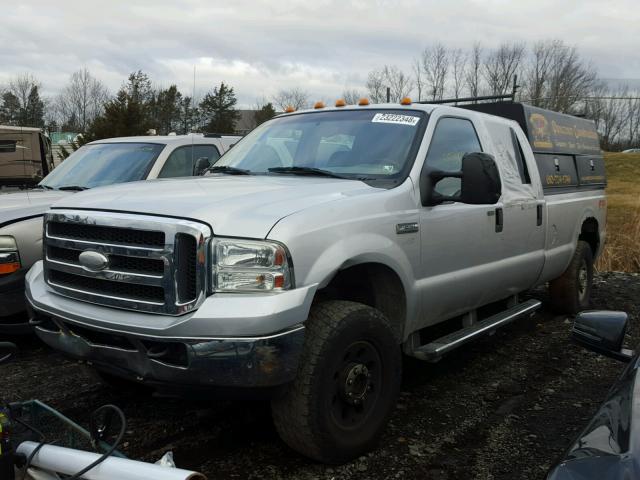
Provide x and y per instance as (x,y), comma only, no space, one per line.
(356,388)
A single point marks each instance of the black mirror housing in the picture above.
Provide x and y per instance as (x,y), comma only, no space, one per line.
(201,165)
(480,182)
(603,332)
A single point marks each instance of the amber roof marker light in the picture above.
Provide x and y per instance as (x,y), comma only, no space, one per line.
(318,105)
(289,109)
(341,102)
(405,101)
(363,102)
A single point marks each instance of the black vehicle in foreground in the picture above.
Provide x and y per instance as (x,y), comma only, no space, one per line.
(609,447)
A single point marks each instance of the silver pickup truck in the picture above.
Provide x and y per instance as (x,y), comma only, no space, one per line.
(103,162)
(325,244)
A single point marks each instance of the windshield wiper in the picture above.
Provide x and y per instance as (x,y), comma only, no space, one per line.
(227,169)
(74,188)
(306,171)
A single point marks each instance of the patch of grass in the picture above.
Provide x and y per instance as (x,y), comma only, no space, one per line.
(622,247)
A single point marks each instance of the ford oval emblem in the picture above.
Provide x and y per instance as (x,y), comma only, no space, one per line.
(93,261)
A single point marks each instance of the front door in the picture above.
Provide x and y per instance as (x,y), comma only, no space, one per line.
(462,247)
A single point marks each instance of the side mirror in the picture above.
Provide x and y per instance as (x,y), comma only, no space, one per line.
(602,332)
(479,179)
(201,165)
(7,350)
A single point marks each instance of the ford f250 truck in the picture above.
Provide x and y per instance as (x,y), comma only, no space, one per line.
(322,246)
(103,162)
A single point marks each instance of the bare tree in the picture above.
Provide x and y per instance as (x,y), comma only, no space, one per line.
(21,87)
(501,65)
(610,114)
(633,105)
(571,80)
(417,72)
(458,70)
(434,63)
(21,102)
(352,96)
(399,84)
(82,100)
(557,78)
(473,74)
(293,97)
(539,71)
(376,86)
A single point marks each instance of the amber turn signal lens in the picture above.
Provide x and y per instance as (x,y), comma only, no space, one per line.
(363,102)
(6,268)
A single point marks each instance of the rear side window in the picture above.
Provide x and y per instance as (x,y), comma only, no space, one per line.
(519,154)
(452,139)
(8,146)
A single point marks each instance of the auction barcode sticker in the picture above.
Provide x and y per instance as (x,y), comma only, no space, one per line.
(395,118)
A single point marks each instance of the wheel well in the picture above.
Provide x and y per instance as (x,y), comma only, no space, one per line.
(373,284)
(590,234)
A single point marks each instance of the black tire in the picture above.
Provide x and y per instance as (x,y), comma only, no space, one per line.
(336,410)
(571,292)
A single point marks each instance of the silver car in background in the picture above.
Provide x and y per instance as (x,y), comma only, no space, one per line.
(97,164)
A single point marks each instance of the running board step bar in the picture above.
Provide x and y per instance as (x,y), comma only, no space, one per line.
(432,352)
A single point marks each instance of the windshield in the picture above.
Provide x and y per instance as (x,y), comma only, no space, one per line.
(367,144)
(104,164)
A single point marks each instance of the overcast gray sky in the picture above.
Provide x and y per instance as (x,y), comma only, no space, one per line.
(322,46)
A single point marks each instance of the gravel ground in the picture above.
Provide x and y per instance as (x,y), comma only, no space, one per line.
(505,407)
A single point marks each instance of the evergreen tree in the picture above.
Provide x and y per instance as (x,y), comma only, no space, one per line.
(129,113)
(139,87)
(266,112)
(33,112)
(123,116)
(218,110)
(187,116)
(76,143)
(165,110)
(10,109)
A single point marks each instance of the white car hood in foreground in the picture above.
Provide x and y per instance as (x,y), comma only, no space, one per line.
(240,206)
(18,205)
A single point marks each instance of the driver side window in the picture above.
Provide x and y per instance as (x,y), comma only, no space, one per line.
(452,139)
(182,160)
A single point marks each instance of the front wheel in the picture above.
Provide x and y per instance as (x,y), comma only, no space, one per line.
(571,292)
(347,383)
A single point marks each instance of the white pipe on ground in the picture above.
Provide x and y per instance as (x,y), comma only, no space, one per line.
(68,461)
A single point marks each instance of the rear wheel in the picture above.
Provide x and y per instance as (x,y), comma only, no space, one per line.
(571,292)
(346,386)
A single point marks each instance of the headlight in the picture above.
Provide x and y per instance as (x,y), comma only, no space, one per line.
(250,266)
(9,257)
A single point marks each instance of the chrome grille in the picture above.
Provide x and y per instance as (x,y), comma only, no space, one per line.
(153,264)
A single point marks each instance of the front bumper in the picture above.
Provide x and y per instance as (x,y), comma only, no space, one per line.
(160,356)
(12,304)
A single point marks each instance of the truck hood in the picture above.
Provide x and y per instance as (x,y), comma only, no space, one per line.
(18,205)
(240,206)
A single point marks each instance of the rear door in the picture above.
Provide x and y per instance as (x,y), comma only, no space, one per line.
(523,232)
